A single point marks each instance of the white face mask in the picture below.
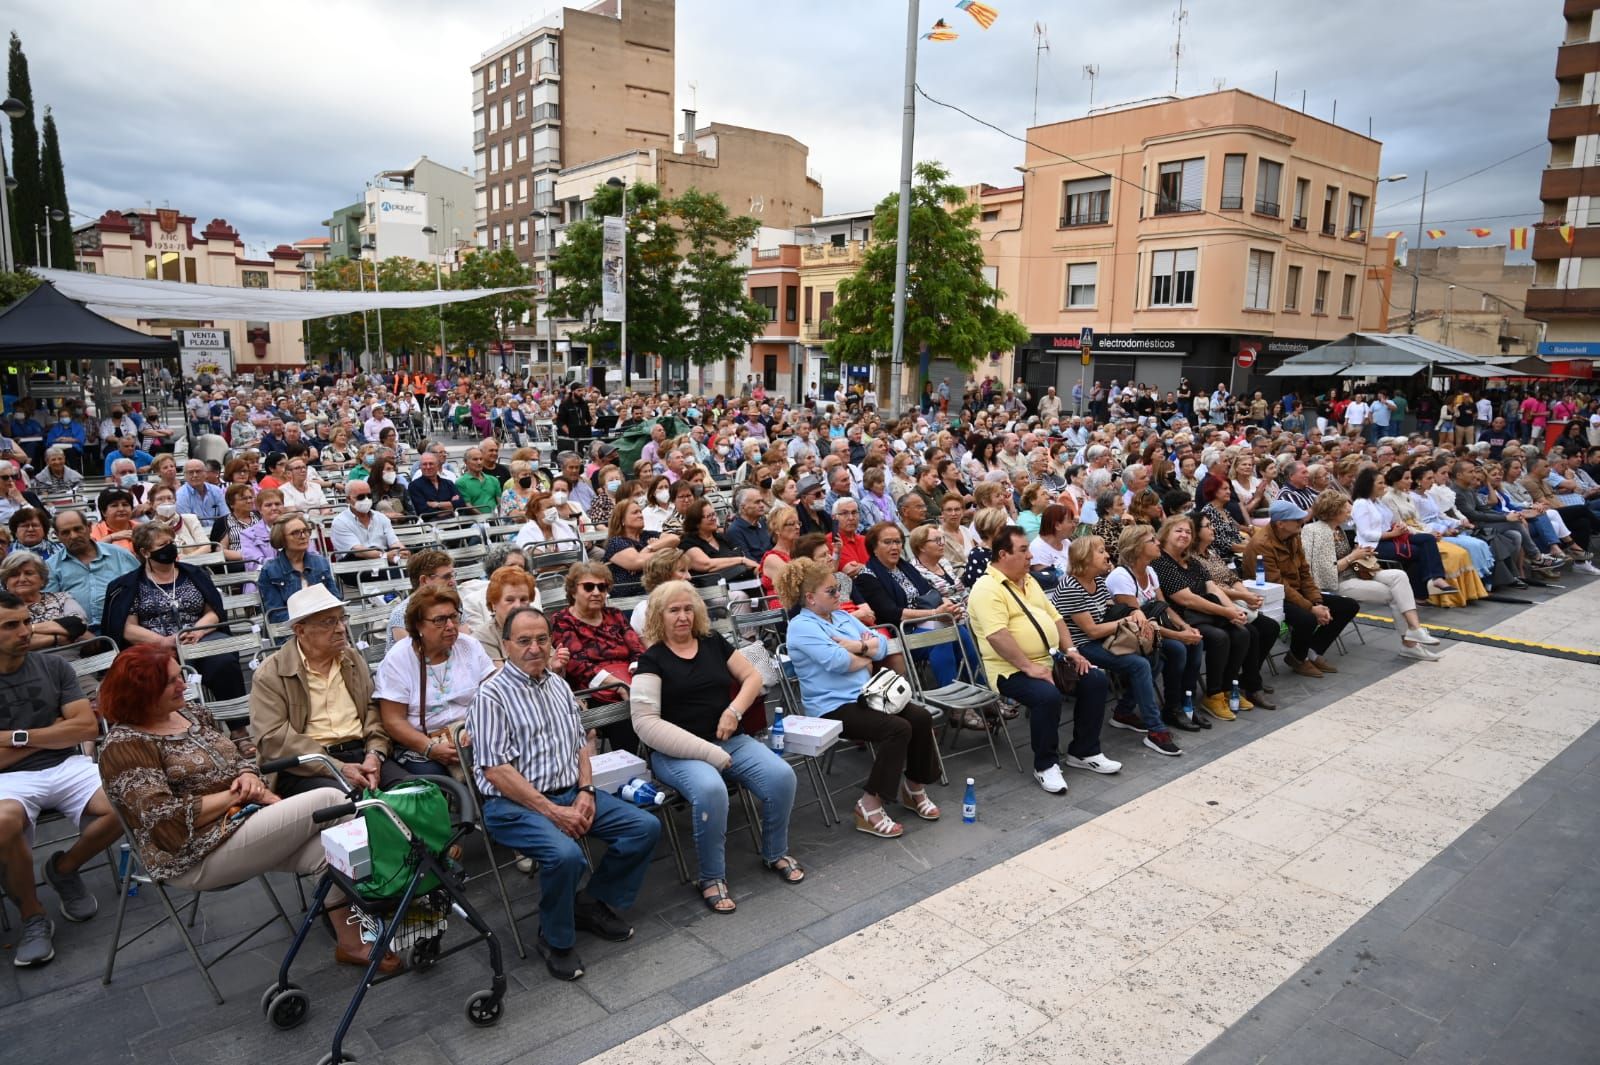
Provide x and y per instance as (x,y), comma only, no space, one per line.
(388,477)
(638,500)
(662,496)
(551,514)
(722,449)
(167,511)
(558,498)
(362,505)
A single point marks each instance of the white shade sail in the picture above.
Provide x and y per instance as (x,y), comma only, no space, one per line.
(125,297)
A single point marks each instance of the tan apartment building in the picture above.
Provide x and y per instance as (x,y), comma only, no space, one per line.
(1565,293)
(1185,230)
(777,356)
(831,249)
(1468,298)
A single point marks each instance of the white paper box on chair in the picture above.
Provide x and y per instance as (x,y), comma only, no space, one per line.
(615,768)
(346,848)
(1271,599)
(809,736)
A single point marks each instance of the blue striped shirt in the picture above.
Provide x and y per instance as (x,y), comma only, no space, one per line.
(529,723)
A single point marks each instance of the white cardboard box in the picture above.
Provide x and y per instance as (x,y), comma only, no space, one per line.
(809,736)
(615,768)
(1272,598)
(347,850)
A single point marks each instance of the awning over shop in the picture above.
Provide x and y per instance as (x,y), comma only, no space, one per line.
(1383,369)
(1306,369)
(1394,355)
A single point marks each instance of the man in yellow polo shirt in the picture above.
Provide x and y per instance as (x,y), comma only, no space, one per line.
(314,696)
(1020,636)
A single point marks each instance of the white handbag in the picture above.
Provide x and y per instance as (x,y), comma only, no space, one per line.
(887,692)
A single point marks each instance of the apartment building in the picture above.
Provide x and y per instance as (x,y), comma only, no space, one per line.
(831,249)
(1184,230)
(1565,293)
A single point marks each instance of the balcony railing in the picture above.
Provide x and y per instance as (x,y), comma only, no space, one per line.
(1232,203)
(478,137)
(1268,207)
(547,69)
(1330,229)
(1097,217)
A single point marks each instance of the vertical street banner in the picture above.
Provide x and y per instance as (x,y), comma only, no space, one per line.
(613,296)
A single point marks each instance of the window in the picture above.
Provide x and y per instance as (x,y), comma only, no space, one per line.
(808,304)
(768,298)
(252,279)
(825,306)
(1180,186)
(522,190)
(1356,217)
(494,197)
(1172,277)
(505,72)
(1347,296)
(1302,198)
(1233,182)
(1081,281)
(494,158)
(1330,210)
(989,216)
(488,78)
(1269,178)
(522,105)
(791,295)
(522,61)
(522,147)
(837,240)
(505,112)
(522,231)
(545,103)
(1086,202)
(1319,302)
(1258,281)
(544,193)
(494,119)
(546,147)
(1291,289)
(169,270)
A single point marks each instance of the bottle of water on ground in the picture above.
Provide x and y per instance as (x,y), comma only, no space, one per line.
(642,792)
(775,734)
(969,803)
(1233,697)
(1188,705)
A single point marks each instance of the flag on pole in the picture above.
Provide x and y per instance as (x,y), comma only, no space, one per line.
(1480,232)
(1519,238)
(941,32)
(1566,234)
(982,13)
(1436,234)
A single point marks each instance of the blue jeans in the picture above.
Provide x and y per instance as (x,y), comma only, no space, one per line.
(1138,682)
(756,767)
(1043,700)
(630,836)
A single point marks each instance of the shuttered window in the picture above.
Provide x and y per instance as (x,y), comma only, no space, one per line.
(1082,280)
(1269,180)
(1258,281)
(1086,202)
(1233,183)
(1181,186)
(1172,277)
(1291,289)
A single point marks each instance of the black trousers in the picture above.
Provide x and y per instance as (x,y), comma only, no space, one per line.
(904,741)
(1579,519)
(1263,634)
(221,674)
(1304,632)
(390,772)
(1226,645)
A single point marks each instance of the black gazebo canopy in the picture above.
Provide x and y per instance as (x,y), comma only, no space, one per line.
(44,324)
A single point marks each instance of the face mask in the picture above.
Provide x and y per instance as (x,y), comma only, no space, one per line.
(165,555)
(722,449)
(638,501)
(65,420)
(167,510)
(128,480)
(550,514)
(558,498)
(369,460)
(362,505)
(766,484)
(698,490)
(662,496)
(524,482)
(612,486)
(388,477)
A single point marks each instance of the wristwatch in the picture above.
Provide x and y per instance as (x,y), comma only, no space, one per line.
(587,789)
(19,737)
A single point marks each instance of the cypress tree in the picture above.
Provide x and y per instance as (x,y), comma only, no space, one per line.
(53,180)
(27,199)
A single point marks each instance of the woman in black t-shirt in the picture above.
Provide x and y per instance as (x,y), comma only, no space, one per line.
(690,691)
(1188,587)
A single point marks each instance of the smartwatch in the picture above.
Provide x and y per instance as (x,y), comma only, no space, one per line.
(19,737)
(587,789)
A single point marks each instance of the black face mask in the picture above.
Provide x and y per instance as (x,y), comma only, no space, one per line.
(766,484)
(524,482)
(166,554)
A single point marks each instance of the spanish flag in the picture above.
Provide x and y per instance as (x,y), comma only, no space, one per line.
(983,13)
(1393,234)
(941,32)
(1566,234)
(1436,234)
(1480,232)
(1519,238)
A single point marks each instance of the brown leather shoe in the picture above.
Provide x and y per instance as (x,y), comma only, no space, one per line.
(1305,669)
(391,962)
(1261,700)
(1325,666)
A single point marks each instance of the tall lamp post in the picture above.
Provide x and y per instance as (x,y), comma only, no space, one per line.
(627,364)
(372,246)
(550,215)
(908,132)
(51,214)
(1416,263)
(438,284)
(12,108)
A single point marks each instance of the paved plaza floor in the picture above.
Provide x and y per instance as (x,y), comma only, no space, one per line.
(1399,865)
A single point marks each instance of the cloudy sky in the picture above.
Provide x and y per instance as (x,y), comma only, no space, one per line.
(272,114)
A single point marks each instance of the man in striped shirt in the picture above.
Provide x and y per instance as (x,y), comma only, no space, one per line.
(531,761)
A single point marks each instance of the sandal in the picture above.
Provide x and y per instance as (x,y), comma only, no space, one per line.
(719,895)
(972,719)
(788,869)
(877,823)
(916,800)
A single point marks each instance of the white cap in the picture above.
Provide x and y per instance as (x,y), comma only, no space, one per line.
(312,600)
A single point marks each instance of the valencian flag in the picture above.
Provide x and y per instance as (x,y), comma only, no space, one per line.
(1566,234)
(1519,238)
(1480,232)
(1436,234)
(983,13)
(941,32)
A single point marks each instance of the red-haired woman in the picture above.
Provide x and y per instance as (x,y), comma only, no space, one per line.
(200,813)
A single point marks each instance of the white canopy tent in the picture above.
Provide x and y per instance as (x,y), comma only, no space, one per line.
(123,297)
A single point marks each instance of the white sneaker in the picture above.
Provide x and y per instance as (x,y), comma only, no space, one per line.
(1095,763)
(1421,635)
(1421,654)
(1051,780)
(1587,568)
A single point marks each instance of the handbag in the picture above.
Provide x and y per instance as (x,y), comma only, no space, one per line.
(1061,671)
(1128,638)
(761,658)
(1402,545)
(928,600)
(423,807)
(887,692)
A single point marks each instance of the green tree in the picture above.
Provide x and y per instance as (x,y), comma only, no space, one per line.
(27,199)
(53,183)
(479,322)
(720,318)
(951,309)
(14,285)
(340,334)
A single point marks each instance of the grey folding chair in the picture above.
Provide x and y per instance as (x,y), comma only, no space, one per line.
(951,701)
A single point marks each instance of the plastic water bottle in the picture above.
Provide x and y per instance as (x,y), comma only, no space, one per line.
(1188,705)
(1233,698)
(642,792)
(969,803)
(1261,572)
(124,859)
(775,734)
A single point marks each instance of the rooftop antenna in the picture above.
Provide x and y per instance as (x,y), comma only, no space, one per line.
(1218,84)
(694,95)
(1177,47)
(1041,45)
(1091,71)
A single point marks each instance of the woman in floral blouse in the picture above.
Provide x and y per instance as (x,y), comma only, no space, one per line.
(601,642)
(201,816)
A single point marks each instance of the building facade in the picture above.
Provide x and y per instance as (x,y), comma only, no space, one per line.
(167,245)
(1184,231)
(1565,293)
(399,206)
(1468,298)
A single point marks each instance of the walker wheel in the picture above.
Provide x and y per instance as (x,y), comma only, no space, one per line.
(425,955)
(483,1008)
(272,992)
(288,1009)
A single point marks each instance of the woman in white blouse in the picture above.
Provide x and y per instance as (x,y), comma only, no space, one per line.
(1380,528)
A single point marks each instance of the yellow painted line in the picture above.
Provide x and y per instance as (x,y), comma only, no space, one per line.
(1488,637)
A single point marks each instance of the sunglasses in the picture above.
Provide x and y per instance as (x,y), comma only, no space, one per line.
(593,586)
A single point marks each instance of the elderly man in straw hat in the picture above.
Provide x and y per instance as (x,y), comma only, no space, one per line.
(314,696)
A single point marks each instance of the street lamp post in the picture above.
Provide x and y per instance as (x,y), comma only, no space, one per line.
(366,334)
(1416,263)
(12,108)
(627,364)
(372,246)
(908,130)
(51,214)
(438,284)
